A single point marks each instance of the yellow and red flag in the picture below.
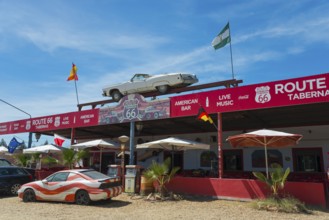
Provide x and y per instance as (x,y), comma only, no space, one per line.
(203,115)
(74,73)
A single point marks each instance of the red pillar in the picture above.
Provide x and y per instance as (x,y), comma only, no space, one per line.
(220,145)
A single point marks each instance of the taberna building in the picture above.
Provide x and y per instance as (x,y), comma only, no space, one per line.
(296,106)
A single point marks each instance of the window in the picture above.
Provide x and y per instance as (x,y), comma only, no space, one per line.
(232,160)
(308,160)
(177,156)
(58,177)
(17,172)
(273,156)
(206,158)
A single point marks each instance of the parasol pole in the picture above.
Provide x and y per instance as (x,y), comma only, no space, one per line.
(266,162)
(172,159)
(100,159)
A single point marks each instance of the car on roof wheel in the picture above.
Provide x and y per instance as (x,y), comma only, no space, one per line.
(143,83)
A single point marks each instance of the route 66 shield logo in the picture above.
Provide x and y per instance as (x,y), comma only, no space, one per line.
(28,125)
(262,94)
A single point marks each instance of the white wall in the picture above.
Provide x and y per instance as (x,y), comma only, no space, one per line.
(313,136)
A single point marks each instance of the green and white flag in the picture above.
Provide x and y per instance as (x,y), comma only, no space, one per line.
(222,38)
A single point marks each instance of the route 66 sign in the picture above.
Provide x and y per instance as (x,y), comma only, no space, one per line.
(262,94)
(130,110)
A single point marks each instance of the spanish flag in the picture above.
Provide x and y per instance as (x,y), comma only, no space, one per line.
(73,74)
(203,115)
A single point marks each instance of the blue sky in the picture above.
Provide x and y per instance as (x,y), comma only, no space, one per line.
(110,40)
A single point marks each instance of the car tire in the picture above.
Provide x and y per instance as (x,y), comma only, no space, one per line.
(116,95)
(163,89)
(29,196)
(82,198)
(14,188)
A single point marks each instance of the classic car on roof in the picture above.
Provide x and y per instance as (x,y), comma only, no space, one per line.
(142,83)
(80,186)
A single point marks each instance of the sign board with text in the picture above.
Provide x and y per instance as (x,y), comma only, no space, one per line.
(298,91)
(52,122)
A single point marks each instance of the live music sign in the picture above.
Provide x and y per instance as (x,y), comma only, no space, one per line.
(298,91)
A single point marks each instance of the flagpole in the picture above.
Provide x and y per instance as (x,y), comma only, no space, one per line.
(231,56)
(76,90)
(215,126)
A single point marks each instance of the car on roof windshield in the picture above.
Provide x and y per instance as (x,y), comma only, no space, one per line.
(142,83)
(80,186)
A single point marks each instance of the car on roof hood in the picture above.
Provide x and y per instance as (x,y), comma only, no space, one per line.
(142,83)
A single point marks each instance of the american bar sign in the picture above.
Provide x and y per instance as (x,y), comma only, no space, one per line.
(298,91)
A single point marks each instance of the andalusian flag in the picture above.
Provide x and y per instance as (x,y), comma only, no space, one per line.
(73,74)
(222,38)
(203,115)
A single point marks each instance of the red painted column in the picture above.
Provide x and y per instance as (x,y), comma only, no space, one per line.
(220,145)
(72,135)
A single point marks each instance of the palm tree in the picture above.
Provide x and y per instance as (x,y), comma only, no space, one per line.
(161,173)
(49,160)
(22,159)
(277,179)
(70,156)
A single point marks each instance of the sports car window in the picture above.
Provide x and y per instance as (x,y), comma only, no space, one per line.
(95,175)
(58,177)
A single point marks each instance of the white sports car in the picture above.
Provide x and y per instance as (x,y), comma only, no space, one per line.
(142,83)
(79,186)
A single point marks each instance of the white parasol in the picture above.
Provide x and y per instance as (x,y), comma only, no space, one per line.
(100,144)
(49,148)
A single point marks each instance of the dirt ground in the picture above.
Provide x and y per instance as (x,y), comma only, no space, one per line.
(136,207)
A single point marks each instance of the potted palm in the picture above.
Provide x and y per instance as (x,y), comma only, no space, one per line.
(161,174)
(277,180)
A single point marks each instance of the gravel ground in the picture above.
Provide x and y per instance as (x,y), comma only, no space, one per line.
(136,207)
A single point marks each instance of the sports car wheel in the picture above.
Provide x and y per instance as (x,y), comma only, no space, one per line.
(14,188)
(29,196)
(116,95)
(82,198)
(163,89)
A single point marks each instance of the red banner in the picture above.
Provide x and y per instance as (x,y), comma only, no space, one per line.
(52,122)
(298,91)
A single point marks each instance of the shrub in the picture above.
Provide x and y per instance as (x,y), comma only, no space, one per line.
(288,205)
